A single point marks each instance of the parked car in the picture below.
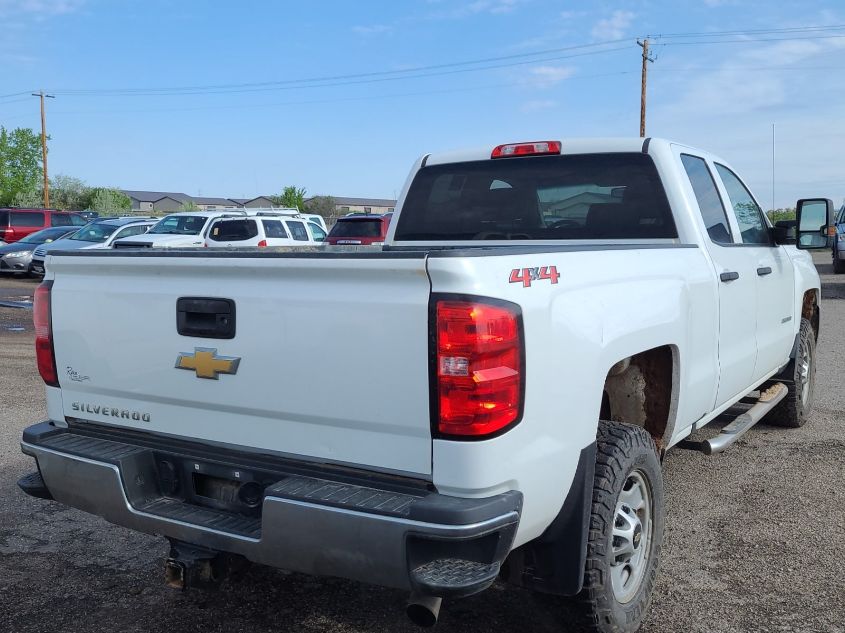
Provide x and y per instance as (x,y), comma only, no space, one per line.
(839,243)
(16,258)
(89,215)
(360,229)
(263,231)
(15,224)
(178,230)
(98,234)
(319,220)
(502,390)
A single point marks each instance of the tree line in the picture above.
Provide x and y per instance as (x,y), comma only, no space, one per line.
(22,179)
(22,184)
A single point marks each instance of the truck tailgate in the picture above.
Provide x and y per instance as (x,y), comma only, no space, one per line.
(333,352)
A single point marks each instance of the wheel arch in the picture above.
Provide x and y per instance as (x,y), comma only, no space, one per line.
(643,390)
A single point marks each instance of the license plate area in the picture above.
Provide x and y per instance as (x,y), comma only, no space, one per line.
(218,486)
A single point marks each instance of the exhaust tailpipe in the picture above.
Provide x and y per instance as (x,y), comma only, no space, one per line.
(423,610)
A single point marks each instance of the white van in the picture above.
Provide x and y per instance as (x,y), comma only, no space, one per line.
(262,231)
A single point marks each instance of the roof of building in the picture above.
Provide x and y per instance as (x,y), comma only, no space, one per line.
(216,201)
(364,202)
(153,196)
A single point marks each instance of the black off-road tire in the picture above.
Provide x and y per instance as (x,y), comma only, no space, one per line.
(838,264)
(794,409)
(624,452)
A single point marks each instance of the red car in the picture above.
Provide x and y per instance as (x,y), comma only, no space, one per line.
(360,229)
(18,223)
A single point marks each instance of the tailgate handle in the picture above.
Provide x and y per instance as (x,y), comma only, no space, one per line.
(205,317)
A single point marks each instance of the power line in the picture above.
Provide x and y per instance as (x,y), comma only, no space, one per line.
(365,77)
(796,29)
(751,40)
(328,101)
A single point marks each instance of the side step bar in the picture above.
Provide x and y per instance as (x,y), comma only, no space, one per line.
(736,429)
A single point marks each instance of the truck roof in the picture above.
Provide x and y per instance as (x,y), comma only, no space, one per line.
(568,146)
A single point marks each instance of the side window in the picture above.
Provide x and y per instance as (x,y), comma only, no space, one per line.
(60,219)
(709,202)
(78,220)
(274,228)
(752,227)
(319,234)
(129,231)
(26,219)
(298,231)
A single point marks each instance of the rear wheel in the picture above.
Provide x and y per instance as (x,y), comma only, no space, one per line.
(794,409)
(626,529)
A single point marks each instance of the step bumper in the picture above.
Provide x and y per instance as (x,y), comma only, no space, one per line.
(441,545)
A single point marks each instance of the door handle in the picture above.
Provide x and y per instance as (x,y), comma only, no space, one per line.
(729,276)
(764,270)
(205,317)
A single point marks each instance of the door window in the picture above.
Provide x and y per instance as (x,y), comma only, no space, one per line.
(319,234)
(60,219)
(23,218)
(297,229)
(752,227)
(129,231)
(274,228)
(709,201)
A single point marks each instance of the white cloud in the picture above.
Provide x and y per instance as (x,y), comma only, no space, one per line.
(537,105)
(373,29)
(476,7)
(614,27)
(730,110)
(547,76)
(39,8)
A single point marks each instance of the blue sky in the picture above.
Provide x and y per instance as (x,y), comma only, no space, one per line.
(242,134)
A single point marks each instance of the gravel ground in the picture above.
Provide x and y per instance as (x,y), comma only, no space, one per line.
(753,538)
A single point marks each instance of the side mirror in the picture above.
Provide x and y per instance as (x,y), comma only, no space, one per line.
(783,232)
(814,220)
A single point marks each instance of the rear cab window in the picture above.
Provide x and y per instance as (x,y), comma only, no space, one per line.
(366,227)
(569,197)
(233,230)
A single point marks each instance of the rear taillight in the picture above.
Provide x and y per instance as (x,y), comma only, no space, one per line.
(479,367)
(42,320)
(262,244)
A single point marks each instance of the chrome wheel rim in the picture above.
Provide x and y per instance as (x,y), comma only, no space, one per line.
(805,366)
(631,539)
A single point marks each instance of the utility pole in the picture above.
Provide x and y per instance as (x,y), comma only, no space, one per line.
(44,146)
(646,59)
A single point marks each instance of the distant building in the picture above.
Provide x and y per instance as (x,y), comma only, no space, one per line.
(214,204)
(156,200)
(168,201)
(261,202)
(363,205)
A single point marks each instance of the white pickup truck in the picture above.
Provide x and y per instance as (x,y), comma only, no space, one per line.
(488,395)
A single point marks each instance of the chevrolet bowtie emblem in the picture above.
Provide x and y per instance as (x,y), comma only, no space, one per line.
(206,363)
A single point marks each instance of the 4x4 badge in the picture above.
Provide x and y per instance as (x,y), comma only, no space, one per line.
(206,363)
